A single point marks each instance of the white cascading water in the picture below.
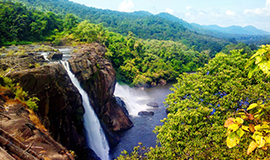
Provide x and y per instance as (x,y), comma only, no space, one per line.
(135,99)
(96,139)
(45,55)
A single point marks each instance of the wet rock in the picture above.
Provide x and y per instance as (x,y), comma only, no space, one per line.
(146,113)
(55,56)
(122,104)
(152,104)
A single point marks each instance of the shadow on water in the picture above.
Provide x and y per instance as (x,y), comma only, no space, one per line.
(136,100)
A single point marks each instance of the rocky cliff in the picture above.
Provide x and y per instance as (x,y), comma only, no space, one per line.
(60,103)
(98,78)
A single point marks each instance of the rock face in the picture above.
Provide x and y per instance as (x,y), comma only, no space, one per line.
(98,79)
(60,105)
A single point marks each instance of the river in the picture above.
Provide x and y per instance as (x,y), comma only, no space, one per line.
(136,100)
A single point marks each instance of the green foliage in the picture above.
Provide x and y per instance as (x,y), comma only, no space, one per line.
(20,25)
(260,61)
(199,106)
(256,122)
(32,103)
(138,153)
(88,32)
(138,61)
(8,82)
(20,94)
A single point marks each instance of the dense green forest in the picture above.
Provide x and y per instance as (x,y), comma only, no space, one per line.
(142,24)
(20,24)
(138,61)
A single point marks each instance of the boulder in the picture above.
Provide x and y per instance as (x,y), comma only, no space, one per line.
(152,104)
(146,113)
(55,56)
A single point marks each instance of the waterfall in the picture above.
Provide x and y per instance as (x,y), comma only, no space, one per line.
(135,99)
(96,139)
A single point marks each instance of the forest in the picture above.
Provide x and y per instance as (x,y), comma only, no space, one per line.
(216,80)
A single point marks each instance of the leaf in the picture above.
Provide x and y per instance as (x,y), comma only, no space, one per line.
(240,132)
(233,127)
(239,120)
(253,105)
(258,59)
(250,117)
(245,128)
(228,122)
(260,141)
(258,127)
(258,137)
(232,140)
(251,128)
(267,139)
(252,146)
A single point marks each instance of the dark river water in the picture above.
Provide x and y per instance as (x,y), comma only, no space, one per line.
(136,100)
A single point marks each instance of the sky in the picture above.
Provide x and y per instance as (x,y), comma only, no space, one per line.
(204,12)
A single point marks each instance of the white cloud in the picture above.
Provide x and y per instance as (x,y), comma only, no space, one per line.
(126,6)
(230,13)
(268,4)
(260,11)
(188,7)
(168,10)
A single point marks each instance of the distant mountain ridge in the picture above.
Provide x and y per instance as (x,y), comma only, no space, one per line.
(248,30)
(208,29)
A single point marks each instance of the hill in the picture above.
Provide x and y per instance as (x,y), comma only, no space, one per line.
(248,34)
(248,30)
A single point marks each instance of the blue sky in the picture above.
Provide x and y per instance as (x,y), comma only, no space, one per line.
(205,12)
